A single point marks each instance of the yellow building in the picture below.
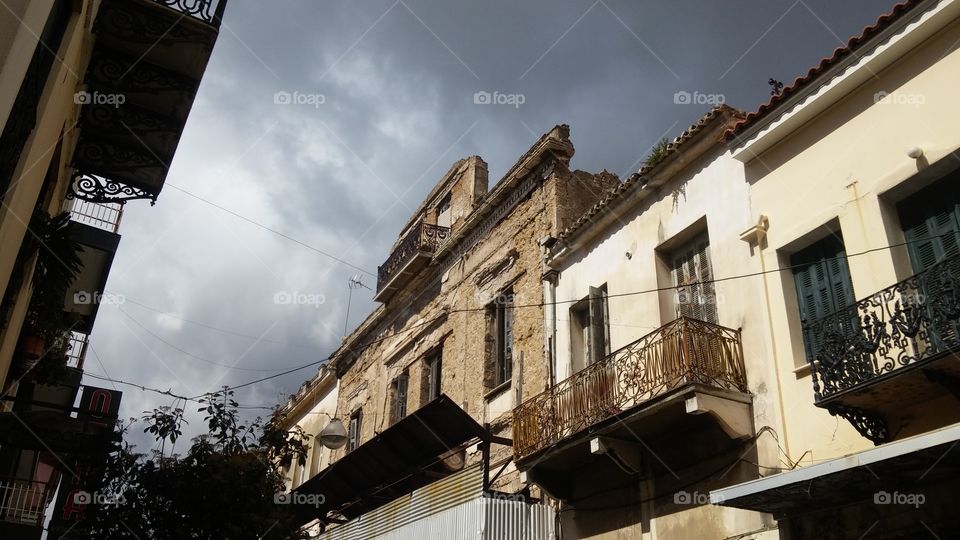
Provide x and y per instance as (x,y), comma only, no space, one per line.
(854,183)
(93,100)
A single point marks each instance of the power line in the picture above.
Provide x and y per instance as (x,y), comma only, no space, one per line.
(190,354)
(274,231)
(168,392)
(446,313)
(127,300)
(361,348)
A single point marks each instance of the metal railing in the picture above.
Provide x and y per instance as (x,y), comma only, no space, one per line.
(684,351)
(77,349)
(422,238)
(208,11)
(104,216)
(23,501)
(906,323)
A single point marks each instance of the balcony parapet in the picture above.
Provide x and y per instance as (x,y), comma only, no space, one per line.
(23,501)
(683,352)
(208,11)
(907,326)
(904,324)
(422,240)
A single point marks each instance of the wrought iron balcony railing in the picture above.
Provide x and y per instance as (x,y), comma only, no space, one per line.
(905,324)
(208,11)
(685,351)
(23,501)
(422,238)
(104,216)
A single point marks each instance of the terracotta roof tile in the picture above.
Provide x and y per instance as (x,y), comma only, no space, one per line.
(840,53)
(640,177)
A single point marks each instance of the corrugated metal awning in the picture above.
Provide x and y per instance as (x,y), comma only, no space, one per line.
(406,456)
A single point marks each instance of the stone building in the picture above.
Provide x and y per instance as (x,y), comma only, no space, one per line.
(460,325)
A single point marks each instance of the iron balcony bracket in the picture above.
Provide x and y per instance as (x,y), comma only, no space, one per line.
(93,188)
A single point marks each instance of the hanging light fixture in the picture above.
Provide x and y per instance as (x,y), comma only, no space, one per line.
(333,436)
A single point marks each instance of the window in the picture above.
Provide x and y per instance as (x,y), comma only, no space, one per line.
(398,397)
(589,329)
(692,276)
(353,432)
(931,223)
(444,212)
(500,338)
(431,380)
(822,278)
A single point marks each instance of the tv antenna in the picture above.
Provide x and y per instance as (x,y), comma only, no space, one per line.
(353,283)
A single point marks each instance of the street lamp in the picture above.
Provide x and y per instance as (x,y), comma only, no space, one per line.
(333,436)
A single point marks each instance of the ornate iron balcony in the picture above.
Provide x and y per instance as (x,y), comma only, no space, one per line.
(685,351)
(208,11)
(904,325)
(422,240)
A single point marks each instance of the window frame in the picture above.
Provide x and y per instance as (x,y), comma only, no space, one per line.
(354,430)
(590,328)
(399,397)
(433,376)
(693,257)
(502,333)
(822,270)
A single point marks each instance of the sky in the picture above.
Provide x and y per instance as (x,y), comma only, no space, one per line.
(329,121)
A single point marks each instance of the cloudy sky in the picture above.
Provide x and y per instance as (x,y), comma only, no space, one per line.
(381,100)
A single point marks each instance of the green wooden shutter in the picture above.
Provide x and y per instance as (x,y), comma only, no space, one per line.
(934,238)
(931,226)
(822,279)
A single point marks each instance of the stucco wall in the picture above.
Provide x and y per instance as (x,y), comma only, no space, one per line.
(709,193)
(56,116)
(847,169)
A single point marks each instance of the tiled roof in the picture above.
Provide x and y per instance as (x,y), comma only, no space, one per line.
(839,54)
(640,177)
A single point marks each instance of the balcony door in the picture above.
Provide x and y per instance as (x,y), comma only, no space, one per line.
(931,227)
(822,279)
(693,278)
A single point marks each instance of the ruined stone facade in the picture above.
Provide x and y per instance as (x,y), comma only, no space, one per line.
(476,300)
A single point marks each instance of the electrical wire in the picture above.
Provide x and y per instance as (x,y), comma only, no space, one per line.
(360,348)
(446,313)
(274,231)
(128,300)
(191,355)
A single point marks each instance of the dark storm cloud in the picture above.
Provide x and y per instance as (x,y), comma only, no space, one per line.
(397,81)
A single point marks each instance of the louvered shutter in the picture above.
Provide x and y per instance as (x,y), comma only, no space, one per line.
(822,279)
(931,221)
(693,277)
(598,324)
(507,342)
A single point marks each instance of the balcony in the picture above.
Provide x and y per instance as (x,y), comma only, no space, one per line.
(890,352)
(95,226)
(22,504)
(145,68)
(412,253)
(679,391)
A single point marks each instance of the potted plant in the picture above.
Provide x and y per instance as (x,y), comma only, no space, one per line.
(58,263)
